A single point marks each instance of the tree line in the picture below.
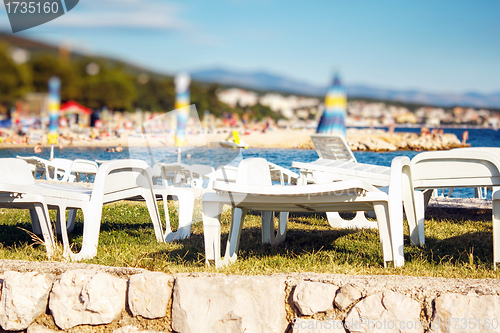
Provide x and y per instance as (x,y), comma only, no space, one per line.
(98,82)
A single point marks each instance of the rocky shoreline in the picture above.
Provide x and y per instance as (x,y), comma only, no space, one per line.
(358,140)
(384,141)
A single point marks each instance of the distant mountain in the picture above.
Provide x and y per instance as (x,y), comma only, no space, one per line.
(258,80)
(266,81)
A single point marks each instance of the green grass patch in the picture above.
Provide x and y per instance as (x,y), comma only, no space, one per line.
(458,244)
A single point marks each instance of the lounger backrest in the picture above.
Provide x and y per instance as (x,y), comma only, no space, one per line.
(253,171)
(15,171)
(199,170)
(121,175)
(333,147)
(84,166)
(455,168)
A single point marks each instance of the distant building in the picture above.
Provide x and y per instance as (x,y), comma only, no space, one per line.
(235,96)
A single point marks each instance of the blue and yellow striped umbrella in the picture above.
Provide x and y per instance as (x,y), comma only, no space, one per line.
(333,118)
(54,107)
(182,100)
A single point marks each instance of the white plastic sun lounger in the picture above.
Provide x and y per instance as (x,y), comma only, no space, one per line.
(332,147)
(185,196)
(18,190)
(463,167)
(337,162)
(61,169)
(185,175)
(72,170)
(116,180)
(332,150)
(350,195)
(278,174)
(37,165)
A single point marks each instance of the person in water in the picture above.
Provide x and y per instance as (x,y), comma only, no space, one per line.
(38,148)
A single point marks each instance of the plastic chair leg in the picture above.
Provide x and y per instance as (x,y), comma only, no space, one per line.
(233,240)
(70,225)
(61,229)
(70,222)
(154,214)
(384,229)
(35,222)
(91,227)
(42,215)
(427,197)
(267,221)
(61,214)
(211,231)
(395,217)
(269,235)
(186,208)
(496,226)
(416,226)
(185,212)
(420,218)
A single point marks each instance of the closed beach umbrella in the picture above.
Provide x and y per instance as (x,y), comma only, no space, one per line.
(333,118)
(54,106)
(182,100)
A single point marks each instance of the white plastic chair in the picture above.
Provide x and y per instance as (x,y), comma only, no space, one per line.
(348,195)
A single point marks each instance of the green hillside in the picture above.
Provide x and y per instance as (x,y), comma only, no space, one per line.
(118,85)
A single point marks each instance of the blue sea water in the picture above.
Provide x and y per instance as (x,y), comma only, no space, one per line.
(282,157)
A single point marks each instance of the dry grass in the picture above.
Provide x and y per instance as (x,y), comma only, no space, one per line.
(458,244)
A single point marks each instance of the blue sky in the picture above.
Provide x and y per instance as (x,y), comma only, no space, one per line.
(435,46)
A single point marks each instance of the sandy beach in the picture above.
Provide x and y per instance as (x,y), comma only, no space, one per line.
(279,138)
(358,139)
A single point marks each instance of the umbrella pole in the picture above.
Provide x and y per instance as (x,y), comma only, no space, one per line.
(51,151)
(179,155)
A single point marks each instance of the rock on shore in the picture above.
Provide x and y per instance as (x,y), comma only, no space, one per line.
(379,140)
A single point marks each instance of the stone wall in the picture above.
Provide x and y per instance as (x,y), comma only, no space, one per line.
(88,298)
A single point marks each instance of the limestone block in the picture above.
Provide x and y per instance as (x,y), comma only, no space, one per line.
(456,313)
(149,294)
(229,304)
(385,312)
(314,297)
(300,325)
(346,296)
(24,297)
(86,297)
(35,328)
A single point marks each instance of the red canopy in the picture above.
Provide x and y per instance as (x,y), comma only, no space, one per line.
(74,107)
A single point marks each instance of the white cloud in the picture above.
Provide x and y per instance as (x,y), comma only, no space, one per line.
(124,14)
(157,15)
